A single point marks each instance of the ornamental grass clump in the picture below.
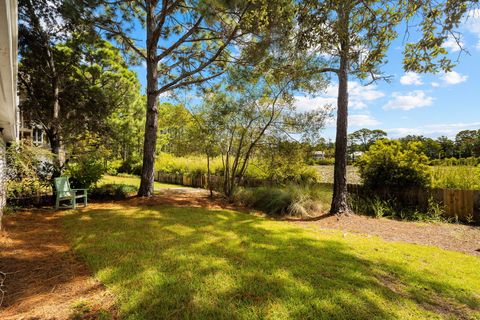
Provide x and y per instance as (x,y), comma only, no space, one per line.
(292,199)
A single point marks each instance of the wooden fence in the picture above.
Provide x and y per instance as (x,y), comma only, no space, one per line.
(461,204)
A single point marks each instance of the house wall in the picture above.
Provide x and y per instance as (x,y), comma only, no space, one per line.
(8,84)
(3,193)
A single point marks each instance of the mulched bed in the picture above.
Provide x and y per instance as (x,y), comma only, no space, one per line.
(44,279)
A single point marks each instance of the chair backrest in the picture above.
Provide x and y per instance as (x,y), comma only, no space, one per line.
(62,186)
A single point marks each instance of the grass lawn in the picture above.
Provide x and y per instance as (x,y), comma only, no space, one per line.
(194,263)
(326,174)
(133,181)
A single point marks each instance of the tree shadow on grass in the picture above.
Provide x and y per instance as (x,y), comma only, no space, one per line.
(168,262)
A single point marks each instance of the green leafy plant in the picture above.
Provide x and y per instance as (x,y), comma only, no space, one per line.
(84,171)
(389,164)
(112,192)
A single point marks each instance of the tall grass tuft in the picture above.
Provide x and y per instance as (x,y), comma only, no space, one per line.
(168,163)
(292,200)
(456,177)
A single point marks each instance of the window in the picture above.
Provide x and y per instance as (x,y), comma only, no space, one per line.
(37,136)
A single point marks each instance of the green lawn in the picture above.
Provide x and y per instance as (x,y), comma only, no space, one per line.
(133,181)
(194,263)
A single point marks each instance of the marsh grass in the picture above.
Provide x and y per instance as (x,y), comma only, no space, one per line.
(456,177)
(194,263)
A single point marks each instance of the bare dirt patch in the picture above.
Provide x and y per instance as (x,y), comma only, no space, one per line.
(44,279)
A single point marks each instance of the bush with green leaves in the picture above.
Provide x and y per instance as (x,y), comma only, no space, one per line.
(112,192)
(29,170)
(388,164)
(84,171)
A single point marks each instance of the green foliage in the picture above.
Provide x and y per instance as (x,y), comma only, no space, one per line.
(389,164)
(362,139)
(293,199)
(322,162)
(112,191)
(84,171)
(168,163)
(28,170)
(113,166)
(284,161)
(377,207)
(449,162)
(456,177)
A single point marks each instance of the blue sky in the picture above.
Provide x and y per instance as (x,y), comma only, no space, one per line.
(426,104)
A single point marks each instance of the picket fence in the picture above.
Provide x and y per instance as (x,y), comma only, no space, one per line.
(459,204)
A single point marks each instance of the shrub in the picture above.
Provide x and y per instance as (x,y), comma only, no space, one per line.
(84,171)
(389,164)
(113,167)
(325,162)
(112,192)
(29,170)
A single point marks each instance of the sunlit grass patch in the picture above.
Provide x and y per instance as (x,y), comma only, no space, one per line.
(133,181)
(194,263)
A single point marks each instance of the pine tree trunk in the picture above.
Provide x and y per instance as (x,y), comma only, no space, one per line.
(151,123)
(56,149)
(339,200)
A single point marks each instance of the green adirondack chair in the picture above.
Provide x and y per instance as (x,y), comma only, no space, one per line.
(65,193)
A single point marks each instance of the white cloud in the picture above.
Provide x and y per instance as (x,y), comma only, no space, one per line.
(310,103)
(452,44)
(411,78)
(472,24)
(435,84)
(362,120)
(144,64)
(356,120)
(358,95)
(409,101)
(453,77)
(433,130)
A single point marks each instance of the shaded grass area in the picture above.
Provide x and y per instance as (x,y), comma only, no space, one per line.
(194,263)
(132,181)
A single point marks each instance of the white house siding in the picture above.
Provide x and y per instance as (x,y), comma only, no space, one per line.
(8,84)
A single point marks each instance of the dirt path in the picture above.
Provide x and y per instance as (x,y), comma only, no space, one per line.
(44,280)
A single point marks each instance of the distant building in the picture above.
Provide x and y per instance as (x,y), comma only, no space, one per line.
(31,133)
(8,84)
(356,154)
(318,155)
